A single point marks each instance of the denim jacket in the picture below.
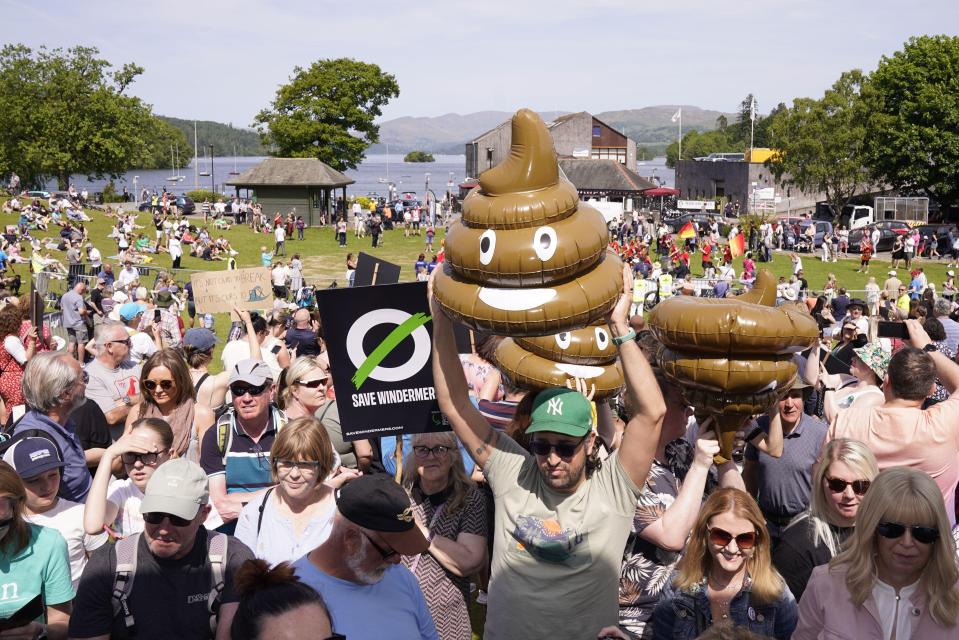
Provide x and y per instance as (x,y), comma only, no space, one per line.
(683,614)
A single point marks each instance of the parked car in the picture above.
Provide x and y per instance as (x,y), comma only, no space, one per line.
(701,219)
(888,230)
(186,205)
(941,230)
(39,194)
(821,226)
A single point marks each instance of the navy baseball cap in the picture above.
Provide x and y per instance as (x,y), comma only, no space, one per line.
(32,456)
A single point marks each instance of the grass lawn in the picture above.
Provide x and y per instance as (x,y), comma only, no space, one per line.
(323,259)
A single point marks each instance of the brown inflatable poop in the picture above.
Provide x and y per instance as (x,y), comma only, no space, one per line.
(731,357)
(527,258)
(552,361)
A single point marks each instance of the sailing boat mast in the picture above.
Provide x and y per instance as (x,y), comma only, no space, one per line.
(196,163)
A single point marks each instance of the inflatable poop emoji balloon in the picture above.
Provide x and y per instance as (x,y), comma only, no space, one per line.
(528,258)
(732,357)
(552,361)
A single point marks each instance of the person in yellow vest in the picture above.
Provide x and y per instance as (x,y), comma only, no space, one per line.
(639,296)
(902,302)
(665,286)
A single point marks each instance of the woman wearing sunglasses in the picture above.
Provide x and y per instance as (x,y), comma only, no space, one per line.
(296,515)
(726,576)
(114,505)
(451,512)
(897,577)
(840,481)
(168,394)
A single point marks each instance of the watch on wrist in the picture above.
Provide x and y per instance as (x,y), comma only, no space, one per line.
(930,347)
(127,400)
(626,337)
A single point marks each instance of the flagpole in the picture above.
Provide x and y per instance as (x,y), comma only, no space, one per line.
(752,126)
(680,137)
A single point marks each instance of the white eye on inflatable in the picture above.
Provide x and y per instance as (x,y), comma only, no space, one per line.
(564,339)
(544,243)
(487,246)
(602,338)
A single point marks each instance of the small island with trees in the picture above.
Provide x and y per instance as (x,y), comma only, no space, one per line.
(418,156)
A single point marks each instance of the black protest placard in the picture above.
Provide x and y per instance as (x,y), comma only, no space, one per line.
(371,270)
(380,349)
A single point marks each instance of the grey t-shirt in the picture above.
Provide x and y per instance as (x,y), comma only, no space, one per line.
(108,386)
(556,557)
(71,303)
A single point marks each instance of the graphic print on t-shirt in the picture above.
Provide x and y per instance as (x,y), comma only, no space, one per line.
(127,386)
(548,541)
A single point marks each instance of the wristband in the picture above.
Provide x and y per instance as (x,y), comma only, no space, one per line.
(625,338)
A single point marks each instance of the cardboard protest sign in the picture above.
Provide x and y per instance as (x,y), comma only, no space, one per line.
(219,291)
(371,270)
(380,350)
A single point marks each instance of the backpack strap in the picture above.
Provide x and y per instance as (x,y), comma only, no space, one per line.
(259,518)
(199,383)
(126,552)
(216,553)
(224,433)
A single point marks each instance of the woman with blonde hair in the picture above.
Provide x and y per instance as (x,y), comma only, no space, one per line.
(897,577)
(296,515)
(451,512)
(727,576)
(840,480)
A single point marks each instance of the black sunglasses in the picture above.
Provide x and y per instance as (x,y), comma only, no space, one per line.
(386,553)
(156,517)
(837,485)
(312,384)
(563,449)
(148,459)
(921,534)
(239,390)
(151,385)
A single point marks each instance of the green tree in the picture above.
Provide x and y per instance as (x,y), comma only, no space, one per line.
(418,156)
(162,138)
(822,142)
(328,112)
(697,144)
(912,99)
(64,112)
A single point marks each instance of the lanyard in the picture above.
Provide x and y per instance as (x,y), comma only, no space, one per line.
(433,520)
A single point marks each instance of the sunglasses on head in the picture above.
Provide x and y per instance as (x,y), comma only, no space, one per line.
(239,390)
(312,384)
(151,385)
(722,538)
(838,485)
(921,534)
(156,517)
(563,449)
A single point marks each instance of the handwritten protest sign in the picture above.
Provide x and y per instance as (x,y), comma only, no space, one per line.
(219,291)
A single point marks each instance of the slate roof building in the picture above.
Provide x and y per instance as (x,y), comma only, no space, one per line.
(306,184)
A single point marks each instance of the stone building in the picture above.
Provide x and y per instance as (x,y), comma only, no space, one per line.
(576,135)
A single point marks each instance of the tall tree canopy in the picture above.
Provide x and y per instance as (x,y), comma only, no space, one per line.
(65,111)
(912,137)
(328,112)
(822,142)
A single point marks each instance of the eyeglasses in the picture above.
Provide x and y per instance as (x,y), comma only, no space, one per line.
(838,485)
(151,385)
(722,538)
(312,384)
(563,449)
(127,342)
(157,517)
(386,553)
(84,376)
(148,459)
(240,390)
(305,466)
(437,451)
(921,534)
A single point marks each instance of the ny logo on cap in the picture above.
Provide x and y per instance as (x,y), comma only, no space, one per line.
(555,406)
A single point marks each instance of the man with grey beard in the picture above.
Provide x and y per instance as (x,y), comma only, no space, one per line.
(357,570)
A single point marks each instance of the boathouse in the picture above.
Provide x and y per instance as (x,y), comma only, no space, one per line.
(282,184)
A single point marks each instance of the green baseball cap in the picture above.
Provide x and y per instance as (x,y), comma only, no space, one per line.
(561,411)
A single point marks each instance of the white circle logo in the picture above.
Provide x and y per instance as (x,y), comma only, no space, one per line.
(362,326)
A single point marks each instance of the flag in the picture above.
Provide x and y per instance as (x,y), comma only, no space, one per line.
(752,109)
(688,231)
(737,246)
(677,115)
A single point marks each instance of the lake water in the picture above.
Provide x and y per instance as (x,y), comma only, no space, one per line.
(369,175)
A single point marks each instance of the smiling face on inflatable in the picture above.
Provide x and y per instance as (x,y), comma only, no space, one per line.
(527,258)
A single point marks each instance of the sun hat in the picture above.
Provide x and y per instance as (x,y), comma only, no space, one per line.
(562,411)
(875,357)
(178,487)
(255,372)
(130,310)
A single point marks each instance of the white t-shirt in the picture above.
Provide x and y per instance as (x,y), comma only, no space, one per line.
(280,233)
(280,276)
(15,348)
(234,351)
(67,518)
(142,346)
(127,498)
(276,540)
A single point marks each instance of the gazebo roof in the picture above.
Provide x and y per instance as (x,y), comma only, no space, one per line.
(299,172)
(589,174)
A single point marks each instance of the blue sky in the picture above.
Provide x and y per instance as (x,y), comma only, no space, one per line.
(218,60)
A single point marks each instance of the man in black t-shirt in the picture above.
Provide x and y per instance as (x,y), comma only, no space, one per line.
(174,569)
(302,336)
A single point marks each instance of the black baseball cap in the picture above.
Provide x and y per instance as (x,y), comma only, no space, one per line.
(377,503)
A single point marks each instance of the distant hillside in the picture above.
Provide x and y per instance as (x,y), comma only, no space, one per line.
(654,124)
(448,133)
(441,134)
(221,136)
